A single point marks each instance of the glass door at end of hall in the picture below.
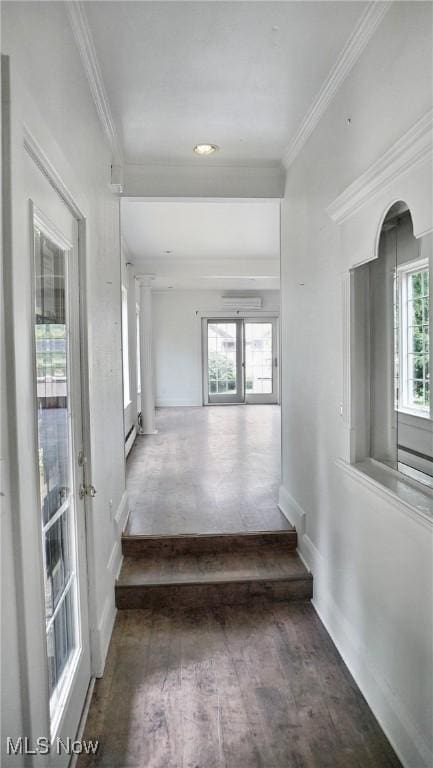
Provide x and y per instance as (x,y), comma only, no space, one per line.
(240,361)
(224,344)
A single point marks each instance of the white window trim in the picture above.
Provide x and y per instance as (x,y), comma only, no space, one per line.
(403,272)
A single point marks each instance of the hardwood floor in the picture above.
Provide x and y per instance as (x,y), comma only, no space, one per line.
(257,686)
(223,663)
(214,469)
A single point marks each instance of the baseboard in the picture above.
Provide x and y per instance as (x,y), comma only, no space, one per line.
(122,512)
(115,560)
(104,632)
(401,731)
(394,719)
(83,720)
(170,403)
(105,625)
(291,510)
(130,440)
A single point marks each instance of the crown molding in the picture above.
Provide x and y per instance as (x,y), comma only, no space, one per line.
(86,48)
(413,148)
(364,30)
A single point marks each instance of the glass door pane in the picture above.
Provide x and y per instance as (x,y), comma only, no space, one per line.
(261,359)
(54,435)
(258,358)
(224,361)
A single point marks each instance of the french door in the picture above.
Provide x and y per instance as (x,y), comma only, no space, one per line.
(59,454)
(240,360)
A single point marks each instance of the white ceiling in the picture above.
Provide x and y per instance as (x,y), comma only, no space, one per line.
(238,74)
(202,229)
(242,75)
(212,243)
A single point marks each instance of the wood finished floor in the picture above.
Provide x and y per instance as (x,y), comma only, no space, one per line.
(258,686)
(208,470)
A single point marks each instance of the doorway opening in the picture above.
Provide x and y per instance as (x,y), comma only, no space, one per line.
(204,275)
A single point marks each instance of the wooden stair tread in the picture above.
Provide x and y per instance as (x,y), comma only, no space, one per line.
(223,567)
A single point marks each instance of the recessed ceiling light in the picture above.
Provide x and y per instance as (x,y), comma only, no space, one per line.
(205,149)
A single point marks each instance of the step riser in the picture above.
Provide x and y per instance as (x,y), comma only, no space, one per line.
(210,595)
(178,545)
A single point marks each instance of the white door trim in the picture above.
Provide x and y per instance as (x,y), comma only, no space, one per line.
(42,161)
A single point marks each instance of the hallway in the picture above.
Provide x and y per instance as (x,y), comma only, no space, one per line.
(245,686)
(208,470)
(216,432)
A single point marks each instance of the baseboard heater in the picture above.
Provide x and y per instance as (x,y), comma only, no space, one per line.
(129,440)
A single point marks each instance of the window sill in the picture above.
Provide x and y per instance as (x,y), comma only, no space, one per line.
(425,415)
(408,495)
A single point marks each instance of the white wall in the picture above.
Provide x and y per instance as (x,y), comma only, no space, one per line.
(177,341)
(11,680)
(50,95)
(372,560)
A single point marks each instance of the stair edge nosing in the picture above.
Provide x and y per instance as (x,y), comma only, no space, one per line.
(242,580)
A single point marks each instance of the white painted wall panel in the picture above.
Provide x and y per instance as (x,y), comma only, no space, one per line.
(50,95)
(372,564)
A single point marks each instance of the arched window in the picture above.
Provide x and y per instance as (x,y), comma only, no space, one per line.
(398,312)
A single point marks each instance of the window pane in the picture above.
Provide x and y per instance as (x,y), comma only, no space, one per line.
(417,392)
(258,358)
(416,312)
(222,358)
(416,367)
(51,372)
(57,561)
(425,275)
(417,285)
(60,641)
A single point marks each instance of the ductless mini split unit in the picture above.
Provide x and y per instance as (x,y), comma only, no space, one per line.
(241,302)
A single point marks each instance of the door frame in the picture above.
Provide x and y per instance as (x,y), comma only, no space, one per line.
(244,316)
(79,294)
(229,399)
(37,217)
(273,397)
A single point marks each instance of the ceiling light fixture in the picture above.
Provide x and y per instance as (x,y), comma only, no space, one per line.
(205,149)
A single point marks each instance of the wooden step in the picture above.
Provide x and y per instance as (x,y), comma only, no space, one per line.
(136,546)
(205,580)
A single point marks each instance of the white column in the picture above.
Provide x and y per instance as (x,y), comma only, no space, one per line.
(146,356)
